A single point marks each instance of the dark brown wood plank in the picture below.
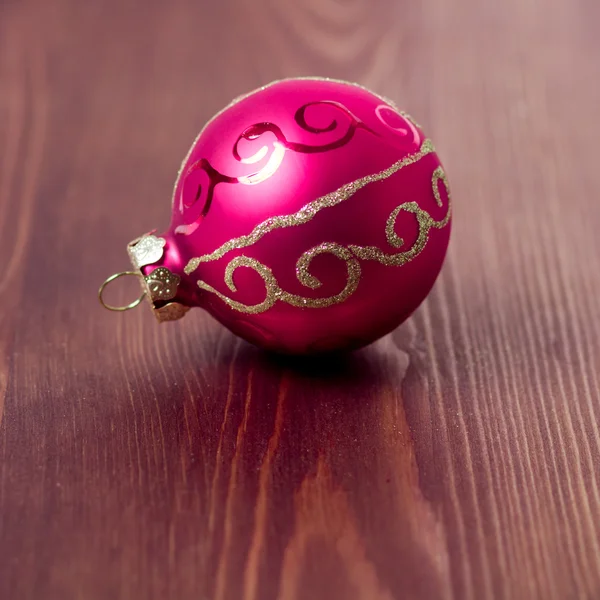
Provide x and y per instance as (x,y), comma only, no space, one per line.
(458,458)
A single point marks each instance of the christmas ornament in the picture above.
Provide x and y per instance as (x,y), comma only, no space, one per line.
(309,215)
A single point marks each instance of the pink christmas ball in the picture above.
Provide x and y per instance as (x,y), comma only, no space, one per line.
(309,215)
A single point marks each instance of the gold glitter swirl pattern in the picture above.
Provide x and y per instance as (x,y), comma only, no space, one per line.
(274,291)
(348,254)
(424,221)
(305,278)
(308,211)
(439,175)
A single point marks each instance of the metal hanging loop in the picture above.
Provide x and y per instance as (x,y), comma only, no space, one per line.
(110,280)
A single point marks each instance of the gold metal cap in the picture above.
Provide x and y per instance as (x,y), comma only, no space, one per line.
(158,287)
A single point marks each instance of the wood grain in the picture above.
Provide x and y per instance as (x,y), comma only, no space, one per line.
(458,458)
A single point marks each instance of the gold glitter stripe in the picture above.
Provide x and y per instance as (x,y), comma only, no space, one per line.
(308,211)
(274,292)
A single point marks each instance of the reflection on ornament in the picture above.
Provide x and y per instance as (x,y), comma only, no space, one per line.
(403,129)
(268,170)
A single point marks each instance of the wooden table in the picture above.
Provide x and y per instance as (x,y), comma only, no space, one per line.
(456,458)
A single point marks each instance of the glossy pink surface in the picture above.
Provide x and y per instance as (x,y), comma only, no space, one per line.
(270,154)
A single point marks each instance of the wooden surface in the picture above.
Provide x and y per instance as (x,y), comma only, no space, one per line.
(458,458)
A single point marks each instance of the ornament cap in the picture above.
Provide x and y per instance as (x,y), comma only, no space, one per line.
(159,286)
